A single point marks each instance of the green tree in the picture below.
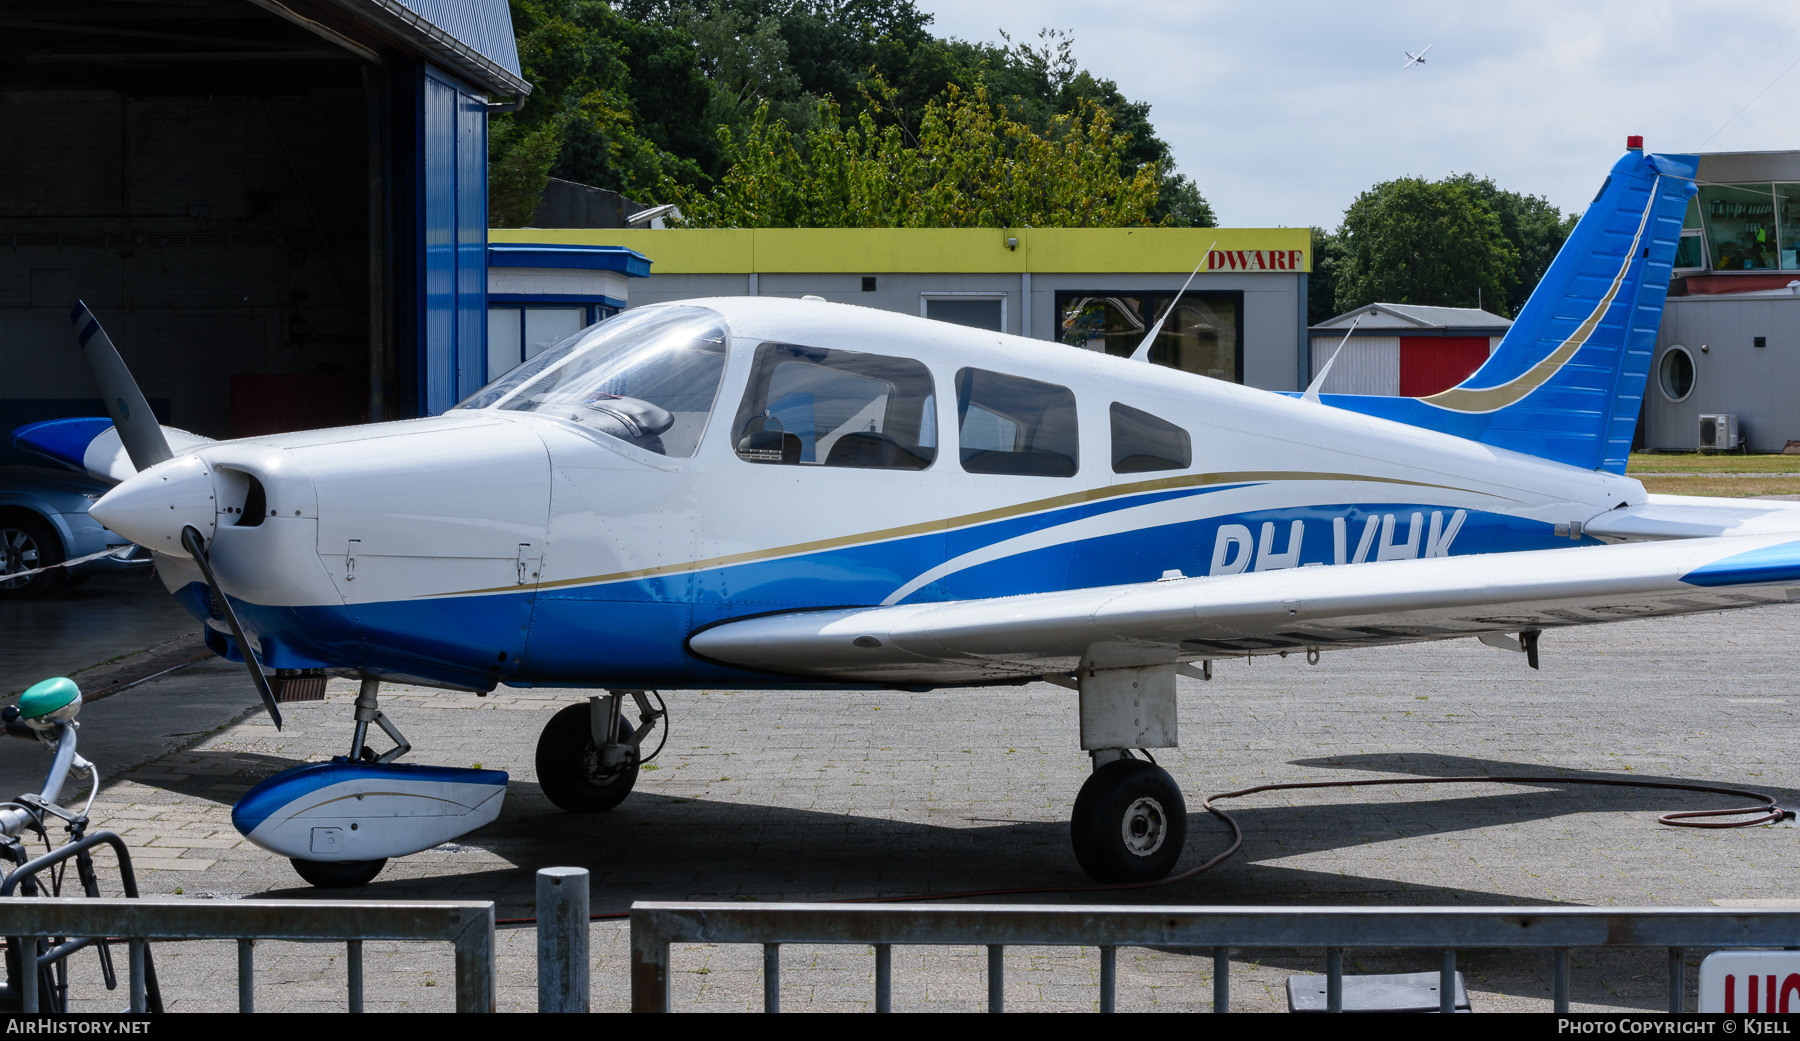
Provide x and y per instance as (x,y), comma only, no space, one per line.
(1535,229)
(595,75)
(1321,284)
(1413,241)
(969,165)
(630,95)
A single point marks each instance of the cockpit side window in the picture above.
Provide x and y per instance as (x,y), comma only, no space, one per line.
(1012,425)
(647,377)
(806,406)
(1142,443)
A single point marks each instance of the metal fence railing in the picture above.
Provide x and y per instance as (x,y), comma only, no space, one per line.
(1556,931)
(467,924)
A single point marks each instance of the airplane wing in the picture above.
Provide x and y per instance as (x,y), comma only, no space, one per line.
(1271,612)
(94,444)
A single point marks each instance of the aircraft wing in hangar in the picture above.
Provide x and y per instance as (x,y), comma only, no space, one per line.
(1295,610)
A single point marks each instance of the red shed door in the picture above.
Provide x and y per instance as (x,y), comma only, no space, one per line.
(1429,364)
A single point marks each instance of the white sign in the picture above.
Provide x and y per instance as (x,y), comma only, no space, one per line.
(1750,981)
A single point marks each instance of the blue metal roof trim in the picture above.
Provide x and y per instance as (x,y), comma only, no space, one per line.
(471,39)
(485,25)
(591,258)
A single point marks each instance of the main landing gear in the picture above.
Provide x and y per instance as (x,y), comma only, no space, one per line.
(1130,821)
(588,755)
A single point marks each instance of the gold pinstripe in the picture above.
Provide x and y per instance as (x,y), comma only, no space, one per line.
(965,520)
(1492,399)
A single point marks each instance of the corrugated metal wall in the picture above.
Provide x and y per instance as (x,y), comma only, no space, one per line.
(453,187)
(1369,364)
(1733,374)
(1429,364)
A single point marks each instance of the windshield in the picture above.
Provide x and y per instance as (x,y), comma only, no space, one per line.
(648,377)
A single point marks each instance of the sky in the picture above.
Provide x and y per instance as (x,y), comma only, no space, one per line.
(1282,111)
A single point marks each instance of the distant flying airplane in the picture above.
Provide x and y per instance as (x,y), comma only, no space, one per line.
(767,494)
(1415,59)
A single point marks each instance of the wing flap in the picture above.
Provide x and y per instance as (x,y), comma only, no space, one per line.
(1268,612)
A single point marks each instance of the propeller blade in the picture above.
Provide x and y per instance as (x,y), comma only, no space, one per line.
(196,547)
(138,429)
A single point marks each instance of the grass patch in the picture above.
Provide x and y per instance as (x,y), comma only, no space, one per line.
(1727,487)
(1719,463)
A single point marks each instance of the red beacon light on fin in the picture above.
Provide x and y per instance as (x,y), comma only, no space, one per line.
(1635,142)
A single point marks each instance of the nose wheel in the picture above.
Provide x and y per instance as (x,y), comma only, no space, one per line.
(1130,823)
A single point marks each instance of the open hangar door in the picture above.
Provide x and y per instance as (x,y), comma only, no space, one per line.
(276,208)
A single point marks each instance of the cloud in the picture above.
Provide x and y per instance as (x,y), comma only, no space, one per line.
(1282,112)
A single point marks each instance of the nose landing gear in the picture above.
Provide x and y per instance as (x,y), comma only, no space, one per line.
(340,821)
(588,755)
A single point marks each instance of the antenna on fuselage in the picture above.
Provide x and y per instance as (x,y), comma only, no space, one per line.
(1143,350)
(1318,383)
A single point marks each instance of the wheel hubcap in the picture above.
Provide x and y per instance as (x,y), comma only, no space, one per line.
(18,552)
(1144,827)
(597,772)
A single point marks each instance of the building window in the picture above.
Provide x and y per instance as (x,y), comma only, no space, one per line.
(1787,209)
(1204,334)
(975,310)
(1690,253)
(1676,373)
(1740,226)
(520,332)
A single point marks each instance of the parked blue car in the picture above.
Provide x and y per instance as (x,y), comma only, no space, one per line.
(44,520)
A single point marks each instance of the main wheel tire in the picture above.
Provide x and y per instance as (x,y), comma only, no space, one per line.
(338,874)
(1130,823)
(27,543)
(568,764)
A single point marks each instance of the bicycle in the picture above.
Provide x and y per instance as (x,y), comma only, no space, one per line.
(46,714)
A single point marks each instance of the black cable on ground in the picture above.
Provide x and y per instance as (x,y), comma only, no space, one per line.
(1769,812)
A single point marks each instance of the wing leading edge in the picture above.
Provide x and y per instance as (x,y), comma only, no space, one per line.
(1270,612)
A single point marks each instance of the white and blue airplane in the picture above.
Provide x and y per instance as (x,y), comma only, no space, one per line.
(774,493)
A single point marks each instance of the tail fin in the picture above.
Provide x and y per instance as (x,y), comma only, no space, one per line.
(1566,380)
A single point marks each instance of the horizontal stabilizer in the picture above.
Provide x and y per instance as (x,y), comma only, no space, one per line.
(1696,517)
(92,443)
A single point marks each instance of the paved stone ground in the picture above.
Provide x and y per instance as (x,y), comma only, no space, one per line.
(75,628)
(796,795)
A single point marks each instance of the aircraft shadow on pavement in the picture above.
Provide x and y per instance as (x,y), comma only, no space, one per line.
(659,847)
(1576,798)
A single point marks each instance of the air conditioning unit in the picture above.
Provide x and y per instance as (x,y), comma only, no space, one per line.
(1719,433)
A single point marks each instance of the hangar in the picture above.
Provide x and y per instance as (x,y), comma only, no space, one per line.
(1406,349)
(1242,320)
(278,207)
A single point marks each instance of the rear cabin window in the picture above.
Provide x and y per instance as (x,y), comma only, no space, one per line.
(1011,425)
(807,406)
(1142,443)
